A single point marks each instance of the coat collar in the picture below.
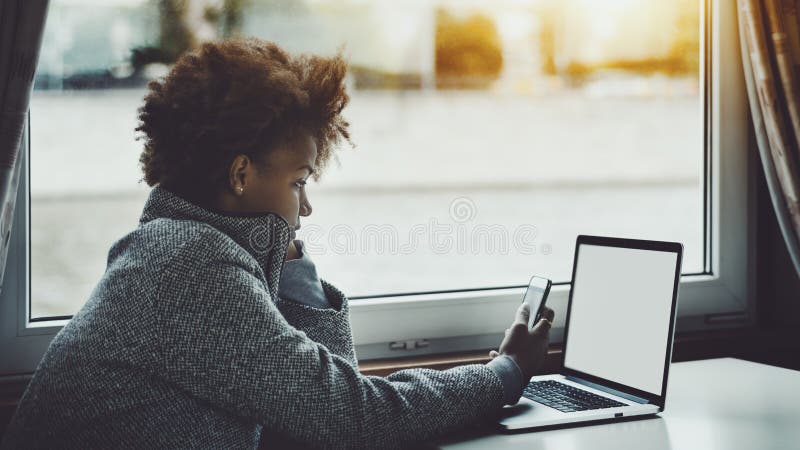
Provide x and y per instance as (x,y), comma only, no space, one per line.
(263,235)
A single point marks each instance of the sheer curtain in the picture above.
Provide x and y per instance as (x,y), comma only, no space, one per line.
(21,27)
(769,33)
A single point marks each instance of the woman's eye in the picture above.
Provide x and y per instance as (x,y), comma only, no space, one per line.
(300,183)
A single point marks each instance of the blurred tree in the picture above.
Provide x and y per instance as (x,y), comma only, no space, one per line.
(682,58)
(176,33)
(547,40)
(232,11)
(226,17)
(576,73)
(684,54)
(175,36)
(468,52)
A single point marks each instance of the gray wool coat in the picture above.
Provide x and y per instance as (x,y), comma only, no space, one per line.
(185,343)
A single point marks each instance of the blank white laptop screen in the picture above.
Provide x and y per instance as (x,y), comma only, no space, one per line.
(620,314)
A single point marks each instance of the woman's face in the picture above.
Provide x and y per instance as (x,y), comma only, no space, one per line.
(279,186)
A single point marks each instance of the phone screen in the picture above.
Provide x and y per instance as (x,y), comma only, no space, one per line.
(535,296)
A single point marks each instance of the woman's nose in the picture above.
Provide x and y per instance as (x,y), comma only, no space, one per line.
(305,208)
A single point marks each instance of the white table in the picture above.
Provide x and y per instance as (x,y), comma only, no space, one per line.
(724,404)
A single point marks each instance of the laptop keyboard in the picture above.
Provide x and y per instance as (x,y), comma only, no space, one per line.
(566,398)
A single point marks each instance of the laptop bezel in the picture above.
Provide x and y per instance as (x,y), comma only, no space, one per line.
(639,244)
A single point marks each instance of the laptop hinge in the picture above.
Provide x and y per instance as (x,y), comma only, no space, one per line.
(608,390)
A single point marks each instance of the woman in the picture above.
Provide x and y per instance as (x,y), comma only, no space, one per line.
(210,327)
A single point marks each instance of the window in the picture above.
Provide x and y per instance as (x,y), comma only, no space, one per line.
(489,134)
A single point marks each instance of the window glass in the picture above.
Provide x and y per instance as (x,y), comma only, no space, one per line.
(489,134)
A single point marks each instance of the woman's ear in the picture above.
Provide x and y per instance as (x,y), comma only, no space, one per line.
(238,174)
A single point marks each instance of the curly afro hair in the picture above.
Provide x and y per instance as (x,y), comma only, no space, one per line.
(242,96)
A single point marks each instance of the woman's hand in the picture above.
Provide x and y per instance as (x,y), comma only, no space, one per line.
(528,348)
(292,252)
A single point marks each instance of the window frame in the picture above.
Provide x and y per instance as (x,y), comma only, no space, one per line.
(433,323)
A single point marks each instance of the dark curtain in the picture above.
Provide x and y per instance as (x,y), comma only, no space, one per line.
(769,32)
(21,29)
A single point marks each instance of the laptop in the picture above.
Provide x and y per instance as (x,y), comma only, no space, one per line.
(618,337)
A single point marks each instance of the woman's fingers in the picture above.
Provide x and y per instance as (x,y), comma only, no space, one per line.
(548,313)
(523,313)
(543,326)
(493,354)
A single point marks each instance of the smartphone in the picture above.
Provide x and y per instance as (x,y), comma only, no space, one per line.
(536,296)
